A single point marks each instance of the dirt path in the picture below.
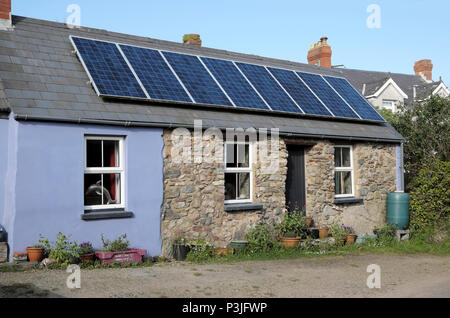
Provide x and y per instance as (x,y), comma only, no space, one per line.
(401,276)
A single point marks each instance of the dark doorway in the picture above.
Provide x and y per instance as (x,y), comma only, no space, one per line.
(295,182)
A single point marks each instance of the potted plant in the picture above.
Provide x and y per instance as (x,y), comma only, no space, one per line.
(180,249)
(35,253)
(351,235)
(118,251)
(339,233)
(323,231)
(293,228)
(223,251)
(86,252)
(309,221)
(238,246)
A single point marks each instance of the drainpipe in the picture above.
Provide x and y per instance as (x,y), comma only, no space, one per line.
(400,168)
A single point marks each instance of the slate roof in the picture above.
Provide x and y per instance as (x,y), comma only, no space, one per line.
(43,80)
(374,81)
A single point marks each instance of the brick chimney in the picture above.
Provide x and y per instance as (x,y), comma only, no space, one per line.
(424,67)
(5,15)
(320,53)
(192,39)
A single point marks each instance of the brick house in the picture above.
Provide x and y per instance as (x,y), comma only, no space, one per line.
(77,162)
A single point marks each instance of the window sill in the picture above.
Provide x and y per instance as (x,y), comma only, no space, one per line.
(235,207)
(106,214)
(347,200)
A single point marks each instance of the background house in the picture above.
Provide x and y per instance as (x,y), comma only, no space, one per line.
(384,89)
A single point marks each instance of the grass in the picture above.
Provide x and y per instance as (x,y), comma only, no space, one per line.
(387,246)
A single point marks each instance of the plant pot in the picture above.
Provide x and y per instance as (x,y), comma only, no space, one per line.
(87,258)
(223,251)
(351,238)
(340,242)
(290,242)
(35,254)
(238,246)
(180,251)
(308,221)
(323,233)
(132,255)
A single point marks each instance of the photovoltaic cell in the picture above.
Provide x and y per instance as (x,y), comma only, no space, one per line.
(327,95)
(358,103)
(232,81)
(269,89)
(108,69)
(196,79)
(299,92)
(154,74)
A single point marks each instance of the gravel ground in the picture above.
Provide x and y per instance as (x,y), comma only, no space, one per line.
(401,276)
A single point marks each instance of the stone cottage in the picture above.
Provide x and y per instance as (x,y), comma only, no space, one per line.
(102,132)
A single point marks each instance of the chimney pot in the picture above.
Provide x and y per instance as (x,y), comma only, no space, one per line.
(192,39)
(425,68)
(5,15)
(320,53)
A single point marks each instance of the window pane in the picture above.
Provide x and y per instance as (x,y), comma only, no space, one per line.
(230,186)
(101,189)
(111,190)
(343,182)
(345,157)
(231,155)
(243,155)
(244,186)
(93,153)
(92,189)
(111,153)
(337,157)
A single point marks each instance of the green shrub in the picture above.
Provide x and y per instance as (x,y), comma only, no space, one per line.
(62,250)
(263,237)
(200,252)
(430,197)
(119,244)
(293,224)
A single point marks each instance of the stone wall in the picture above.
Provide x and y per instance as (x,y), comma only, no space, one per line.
(193,205)
(374,176)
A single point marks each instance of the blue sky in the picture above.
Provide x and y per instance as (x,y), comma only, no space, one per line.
(410,29)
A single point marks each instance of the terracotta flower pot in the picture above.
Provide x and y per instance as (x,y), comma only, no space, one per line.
(351,238)
(223,251)
(35,254)
(290,242)
(340,242)
(87,258)
(323,233)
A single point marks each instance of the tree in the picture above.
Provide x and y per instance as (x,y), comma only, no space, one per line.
(426,129)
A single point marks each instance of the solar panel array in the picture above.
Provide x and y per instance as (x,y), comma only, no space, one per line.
(126,71)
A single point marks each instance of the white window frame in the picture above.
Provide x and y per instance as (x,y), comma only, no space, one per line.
(248,169)
(117,170)
(345,169)
(392,102)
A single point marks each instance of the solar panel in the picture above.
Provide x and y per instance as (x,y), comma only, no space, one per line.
(327,95)
(232,81)
(358,103)
(107,68)
(269,89)
(196,79)
(155,75)
(299,92)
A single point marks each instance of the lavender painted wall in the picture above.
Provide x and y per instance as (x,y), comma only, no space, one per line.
(3,162)
(48,186)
